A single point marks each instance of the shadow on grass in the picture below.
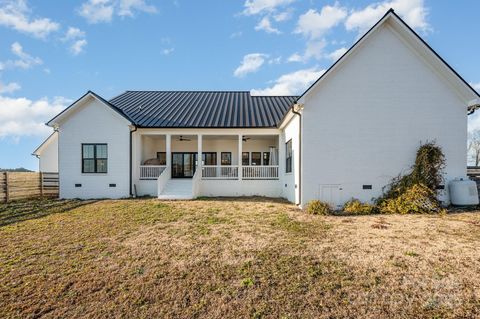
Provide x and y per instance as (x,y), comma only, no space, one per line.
(259,199)
(22,210)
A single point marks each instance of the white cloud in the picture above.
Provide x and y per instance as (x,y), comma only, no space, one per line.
(23,117)
(97,11)
(266,26)
(314,24)
(127,7)
(15,14)
(9,88)
(23,61)
(253,7)
(76,38)
(335,55)
(413,12)
(168,51)
(74,33)
(282,16)
(293,83)
(314,49)
(77,46)
(250,63)
(296,57)
(276,60)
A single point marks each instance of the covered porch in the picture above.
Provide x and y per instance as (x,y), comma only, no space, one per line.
(231,160)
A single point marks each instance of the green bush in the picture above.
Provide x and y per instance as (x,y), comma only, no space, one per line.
(417,199)
(354,206)
(316,207)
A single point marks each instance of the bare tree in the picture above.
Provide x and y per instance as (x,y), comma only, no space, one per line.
(474,146)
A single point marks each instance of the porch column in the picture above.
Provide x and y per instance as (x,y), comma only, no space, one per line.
(240,150)
(168,149)
(199,150)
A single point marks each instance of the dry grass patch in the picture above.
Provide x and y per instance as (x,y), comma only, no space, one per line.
(222,258)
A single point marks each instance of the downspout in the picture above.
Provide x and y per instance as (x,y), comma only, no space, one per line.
(299,149)
(131,166)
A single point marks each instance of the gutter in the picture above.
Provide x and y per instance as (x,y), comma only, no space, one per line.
(300,106)
(130,184)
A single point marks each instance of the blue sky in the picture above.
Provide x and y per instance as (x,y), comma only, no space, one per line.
(52,52)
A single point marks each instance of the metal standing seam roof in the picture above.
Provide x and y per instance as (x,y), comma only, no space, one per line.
(185,109)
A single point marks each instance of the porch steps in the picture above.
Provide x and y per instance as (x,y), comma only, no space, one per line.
(177,189)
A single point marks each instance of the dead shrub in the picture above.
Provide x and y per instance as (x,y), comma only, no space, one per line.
(317,207)
(417,199)
(427,171)
(356,207)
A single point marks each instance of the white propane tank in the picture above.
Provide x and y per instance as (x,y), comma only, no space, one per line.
(463,192)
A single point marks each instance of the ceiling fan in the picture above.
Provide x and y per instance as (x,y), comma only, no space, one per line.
(181,139)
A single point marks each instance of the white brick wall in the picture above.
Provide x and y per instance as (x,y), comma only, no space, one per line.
(291,181)
(364,123)
(48,161)
(94,123)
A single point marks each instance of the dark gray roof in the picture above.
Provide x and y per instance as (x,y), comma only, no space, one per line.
(202,108)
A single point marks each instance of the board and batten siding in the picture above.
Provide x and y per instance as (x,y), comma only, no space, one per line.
(94,122)
(365,122)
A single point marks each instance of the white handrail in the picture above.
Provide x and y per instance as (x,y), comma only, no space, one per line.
(163,179)
(260,172)
(196,183)
(220,172)
(151,171)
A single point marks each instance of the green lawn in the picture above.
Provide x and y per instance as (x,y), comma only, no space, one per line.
(247,258)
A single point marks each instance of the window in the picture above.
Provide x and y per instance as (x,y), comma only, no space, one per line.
(162,157)
(94,158)
(266,158)
(256,158)
(209,158)
(245,158)
(288,157)
(226,158)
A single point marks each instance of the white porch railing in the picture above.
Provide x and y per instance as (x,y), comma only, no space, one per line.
(260,172)
(248,172)
(219,172)
(151,171)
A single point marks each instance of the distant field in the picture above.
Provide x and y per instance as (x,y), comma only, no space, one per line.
(247,258)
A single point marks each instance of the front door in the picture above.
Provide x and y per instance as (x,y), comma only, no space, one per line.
(183,165)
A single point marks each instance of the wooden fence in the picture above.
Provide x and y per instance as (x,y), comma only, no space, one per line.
(20,185)
(473,172)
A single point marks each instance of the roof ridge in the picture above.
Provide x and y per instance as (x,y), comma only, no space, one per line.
(205,91)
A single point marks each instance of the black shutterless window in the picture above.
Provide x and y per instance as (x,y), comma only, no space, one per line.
(266,158)
(209,158)
(256,158)
(226,158)
(288,157)
(94,158)
(245,158)
(162,158)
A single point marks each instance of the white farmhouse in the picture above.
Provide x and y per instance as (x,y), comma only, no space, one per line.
(347,136)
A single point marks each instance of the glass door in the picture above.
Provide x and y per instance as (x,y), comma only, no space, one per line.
(183,165)
(188,164)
